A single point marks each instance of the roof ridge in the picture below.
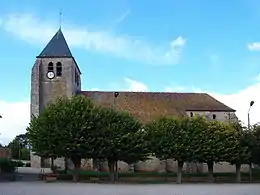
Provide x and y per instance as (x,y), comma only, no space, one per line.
(162,92)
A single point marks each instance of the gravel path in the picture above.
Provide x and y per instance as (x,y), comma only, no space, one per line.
(39,188)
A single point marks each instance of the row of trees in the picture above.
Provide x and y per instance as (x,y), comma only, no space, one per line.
(76,128)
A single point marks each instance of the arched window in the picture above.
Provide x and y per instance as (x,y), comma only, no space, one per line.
(191,114)
(50,67)
(58,69)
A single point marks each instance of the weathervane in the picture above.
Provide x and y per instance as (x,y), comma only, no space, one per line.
(60,18)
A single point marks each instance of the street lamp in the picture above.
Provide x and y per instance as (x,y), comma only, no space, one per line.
(116,94)
(248,114)
(248,126)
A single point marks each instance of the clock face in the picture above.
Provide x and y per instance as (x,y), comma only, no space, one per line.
(50,75)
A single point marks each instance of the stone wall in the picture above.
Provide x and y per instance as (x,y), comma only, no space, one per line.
(152,165)
(226,117)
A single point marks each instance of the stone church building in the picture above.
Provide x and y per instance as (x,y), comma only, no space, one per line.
(57,73)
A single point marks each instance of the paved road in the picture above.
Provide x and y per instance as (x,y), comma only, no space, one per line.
(39,188)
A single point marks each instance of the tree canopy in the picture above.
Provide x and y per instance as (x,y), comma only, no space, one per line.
(65,128)
(120,138)
(19,147)
(76,128)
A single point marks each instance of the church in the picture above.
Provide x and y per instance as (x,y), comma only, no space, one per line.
(56,73)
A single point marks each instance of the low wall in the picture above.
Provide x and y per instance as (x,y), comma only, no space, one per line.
(151,165)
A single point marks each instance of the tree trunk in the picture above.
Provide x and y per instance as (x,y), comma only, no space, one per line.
(52,165)
(66,165)
(77,164)
(250,171)
(210,171)
(238,173)
(96,164)
(111,166)
(116,171)
(179,172)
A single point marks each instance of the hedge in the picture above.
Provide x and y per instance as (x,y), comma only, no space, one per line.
(7,165)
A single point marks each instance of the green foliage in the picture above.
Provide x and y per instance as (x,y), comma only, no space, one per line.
(217,141)
(19,164)
(255,144)
(28,164)
(120,136)
(65,128)
(7,165)
(238,145)
(171,138)
(19,147)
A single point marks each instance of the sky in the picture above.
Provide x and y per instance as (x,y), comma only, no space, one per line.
(132,45)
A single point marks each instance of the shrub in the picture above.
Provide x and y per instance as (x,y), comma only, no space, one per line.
(28,164)
(7,165)
(19,163)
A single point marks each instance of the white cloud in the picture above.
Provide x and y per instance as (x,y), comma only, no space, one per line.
(133,85)
(35,30)
(240,101)
(255,46)
(15,119)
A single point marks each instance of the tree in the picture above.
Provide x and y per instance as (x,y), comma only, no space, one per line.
(239,148)
(256,147)
(19,147)
(172,138)
(212,141)
(66,128)
(120,139)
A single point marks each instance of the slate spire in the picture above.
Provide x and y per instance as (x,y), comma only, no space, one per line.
(57,47)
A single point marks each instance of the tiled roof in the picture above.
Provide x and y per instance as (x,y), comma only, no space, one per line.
(150,105)
(57,47)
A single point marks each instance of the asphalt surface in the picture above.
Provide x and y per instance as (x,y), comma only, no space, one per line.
(40,188)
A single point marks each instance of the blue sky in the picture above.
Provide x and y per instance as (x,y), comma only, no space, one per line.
(170,45)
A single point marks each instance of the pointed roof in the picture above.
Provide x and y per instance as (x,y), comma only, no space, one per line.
(57,47)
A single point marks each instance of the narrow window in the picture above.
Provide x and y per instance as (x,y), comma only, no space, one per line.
(76,78)
(59,69)
(214,116)
(50,67)
(191,114)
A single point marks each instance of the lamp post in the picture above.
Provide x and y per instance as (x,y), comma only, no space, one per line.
(248,114)
(116,94)
(249,127)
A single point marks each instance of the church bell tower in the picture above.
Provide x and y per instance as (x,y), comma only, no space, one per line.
(55,73)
